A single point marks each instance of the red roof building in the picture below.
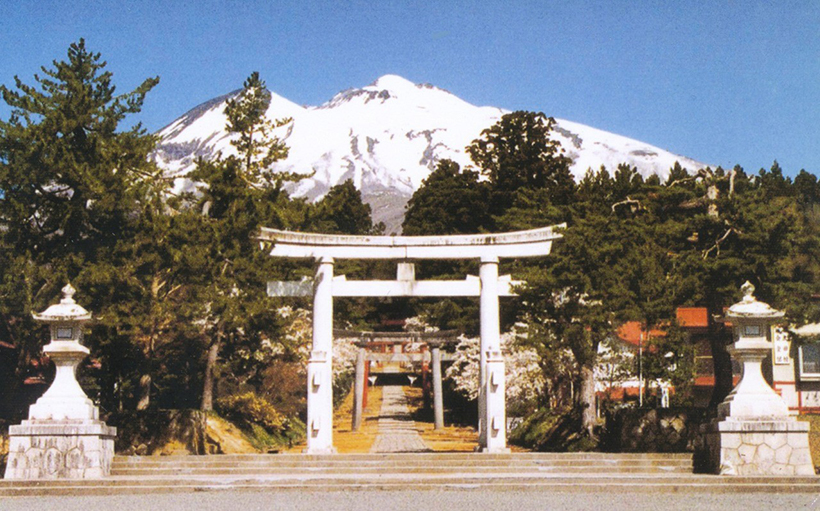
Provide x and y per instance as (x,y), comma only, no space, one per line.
(695,321)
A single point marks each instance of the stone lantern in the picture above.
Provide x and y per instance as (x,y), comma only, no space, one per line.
(753,433)
(753,398)
(63,437)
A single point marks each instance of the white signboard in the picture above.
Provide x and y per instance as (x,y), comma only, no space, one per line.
(781,346)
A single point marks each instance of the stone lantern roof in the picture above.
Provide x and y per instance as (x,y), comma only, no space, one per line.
(66,310)
(750,308)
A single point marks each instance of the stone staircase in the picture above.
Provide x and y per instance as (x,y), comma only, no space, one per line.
(518,471)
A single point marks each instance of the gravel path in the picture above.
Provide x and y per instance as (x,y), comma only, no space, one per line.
(397,431)
(409,500)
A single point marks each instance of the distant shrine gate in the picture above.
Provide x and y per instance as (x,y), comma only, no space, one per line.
(325,248)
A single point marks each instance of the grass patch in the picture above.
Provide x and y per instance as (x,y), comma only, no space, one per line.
(225,437)
(263,440)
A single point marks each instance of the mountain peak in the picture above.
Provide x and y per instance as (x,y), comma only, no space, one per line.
(387,137)
(392,82)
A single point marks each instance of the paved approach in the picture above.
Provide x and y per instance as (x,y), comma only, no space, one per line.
(397,431)
(409,500)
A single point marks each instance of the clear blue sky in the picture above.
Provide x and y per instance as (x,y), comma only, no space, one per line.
(723,82)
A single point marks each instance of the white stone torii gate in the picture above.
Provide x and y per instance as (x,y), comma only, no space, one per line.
(325,248)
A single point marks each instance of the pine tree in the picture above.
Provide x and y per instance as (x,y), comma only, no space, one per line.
(607,269)
(238,195)
(70,179)
(254,140)
(74,185)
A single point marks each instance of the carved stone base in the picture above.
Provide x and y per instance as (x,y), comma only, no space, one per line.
(67,449)
(745,448)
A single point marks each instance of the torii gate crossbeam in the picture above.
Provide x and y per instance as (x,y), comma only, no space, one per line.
(325,248)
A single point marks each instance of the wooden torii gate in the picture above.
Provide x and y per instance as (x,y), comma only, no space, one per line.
(325,248)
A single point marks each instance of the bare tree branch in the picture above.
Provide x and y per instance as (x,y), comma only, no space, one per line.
(716,246)
(633,203)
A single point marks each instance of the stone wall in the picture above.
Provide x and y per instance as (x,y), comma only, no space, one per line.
(656,430)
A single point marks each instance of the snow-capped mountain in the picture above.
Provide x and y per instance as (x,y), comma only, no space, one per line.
(387,137)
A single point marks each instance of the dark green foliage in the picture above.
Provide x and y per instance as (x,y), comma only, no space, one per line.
(450,201)
(634,249)
(70,179)
(517,153)
(528,184)
(342,211)
(553,431)
(74,186)
(177,284)
(255,143)
(236,198)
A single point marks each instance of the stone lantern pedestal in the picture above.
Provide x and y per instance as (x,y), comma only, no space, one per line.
(753,433)
(63,437)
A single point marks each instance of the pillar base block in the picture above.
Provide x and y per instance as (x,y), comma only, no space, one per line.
(493,450)
(66,449)
(320,451)
(755,448)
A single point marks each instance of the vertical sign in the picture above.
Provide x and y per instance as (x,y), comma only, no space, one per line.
(781,346)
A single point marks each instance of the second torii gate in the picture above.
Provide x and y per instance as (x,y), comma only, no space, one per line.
(431,340)
(325,248)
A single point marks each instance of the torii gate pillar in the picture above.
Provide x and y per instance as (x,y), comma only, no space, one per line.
(320,364)
(492,431)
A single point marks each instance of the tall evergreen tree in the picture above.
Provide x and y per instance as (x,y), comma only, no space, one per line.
(341,211)
(607,269)
(517,153)
(71,181)
(253,133)
(238,196)
(449,201)
(73,185)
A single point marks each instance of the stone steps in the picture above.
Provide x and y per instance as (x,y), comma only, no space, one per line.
(236,472)
(608,465)
(407,458)
(583,472)
(395,460)
(401,464)
(678,484)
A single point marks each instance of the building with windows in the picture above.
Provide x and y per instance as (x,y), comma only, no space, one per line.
(635,339)
(795,368)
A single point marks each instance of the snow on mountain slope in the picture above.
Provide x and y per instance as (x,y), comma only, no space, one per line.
(387,137)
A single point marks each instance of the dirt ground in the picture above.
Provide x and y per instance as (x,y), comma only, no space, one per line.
(450,439)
